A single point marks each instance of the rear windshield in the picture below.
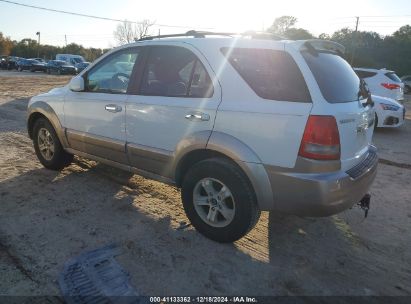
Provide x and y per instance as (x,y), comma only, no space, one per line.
(393,77)
(270,74)
(335,77)
(365,74)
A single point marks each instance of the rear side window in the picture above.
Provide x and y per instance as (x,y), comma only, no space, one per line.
(271,74)
(393,77)
(175,72)
(365,74)
(335,77)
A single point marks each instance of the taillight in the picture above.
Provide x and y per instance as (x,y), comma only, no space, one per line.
(391,86)
(321,139)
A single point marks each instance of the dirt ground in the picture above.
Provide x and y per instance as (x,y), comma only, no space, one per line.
(48,217)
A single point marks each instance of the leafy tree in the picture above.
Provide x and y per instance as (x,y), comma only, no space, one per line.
(282,24)
(6,45)
(297,34)
(324,36)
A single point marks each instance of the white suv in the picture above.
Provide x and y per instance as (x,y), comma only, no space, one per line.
(240,124)
(382,82)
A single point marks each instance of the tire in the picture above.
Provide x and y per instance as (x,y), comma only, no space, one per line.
(242,204)
(407,89)
(59,158)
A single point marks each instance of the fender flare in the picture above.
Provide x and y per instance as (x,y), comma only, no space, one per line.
(47,111)
(235,150)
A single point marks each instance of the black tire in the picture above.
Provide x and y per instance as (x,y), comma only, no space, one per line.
(60,158)
(246,213)
(407,89)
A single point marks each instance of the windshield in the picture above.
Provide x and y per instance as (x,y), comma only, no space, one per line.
(337,80)
(76,60)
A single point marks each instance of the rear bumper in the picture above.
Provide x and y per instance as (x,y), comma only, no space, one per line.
(322,194)
(391,119)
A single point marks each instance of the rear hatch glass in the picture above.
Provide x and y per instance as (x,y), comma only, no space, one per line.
(348,95)
(393,77)
(337,80)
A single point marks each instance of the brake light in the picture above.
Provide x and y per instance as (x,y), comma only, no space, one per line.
(391,86)
(321,139)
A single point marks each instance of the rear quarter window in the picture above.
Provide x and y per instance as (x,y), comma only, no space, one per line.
(335,77)
(271,74)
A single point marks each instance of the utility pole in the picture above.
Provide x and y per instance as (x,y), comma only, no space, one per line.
(354,38)
(65,38)
(38,45)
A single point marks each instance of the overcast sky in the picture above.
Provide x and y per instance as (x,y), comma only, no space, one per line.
(317,16)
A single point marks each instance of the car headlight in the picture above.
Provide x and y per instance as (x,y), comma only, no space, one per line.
(388,107)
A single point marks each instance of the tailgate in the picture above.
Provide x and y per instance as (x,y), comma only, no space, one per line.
(355,125)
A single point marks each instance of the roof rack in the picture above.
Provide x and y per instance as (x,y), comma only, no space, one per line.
(192,33)
(203,34)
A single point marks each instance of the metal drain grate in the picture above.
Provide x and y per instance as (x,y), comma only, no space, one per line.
(96,277)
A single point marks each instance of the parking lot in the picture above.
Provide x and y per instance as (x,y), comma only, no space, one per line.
(48,217)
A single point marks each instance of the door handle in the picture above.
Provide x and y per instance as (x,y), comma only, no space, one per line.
(197,116)
(113,108)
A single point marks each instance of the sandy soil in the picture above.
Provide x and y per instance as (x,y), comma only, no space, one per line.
(48,217)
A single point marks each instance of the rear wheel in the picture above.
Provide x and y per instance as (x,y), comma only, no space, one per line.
(219,200)
(48,148)
(407,89)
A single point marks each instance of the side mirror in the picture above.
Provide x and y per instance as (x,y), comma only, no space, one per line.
(76,84)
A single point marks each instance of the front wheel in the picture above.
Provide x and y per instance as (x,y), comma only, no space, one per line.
(48,148)
(219,200)
(407,89)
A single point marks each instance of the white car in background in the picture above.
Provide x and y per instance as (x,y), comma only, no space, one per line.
(382,82)
(388,112)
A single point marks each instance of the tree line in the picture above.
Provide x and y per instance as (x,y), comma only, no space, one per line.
(367,48)
(29,48)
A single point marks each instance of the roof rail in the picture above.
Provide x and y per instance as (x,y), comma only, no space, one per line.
(203,34)
(192,33)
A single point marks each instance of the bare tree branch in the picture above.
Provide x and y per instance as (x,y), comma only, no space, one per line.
(128,32)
